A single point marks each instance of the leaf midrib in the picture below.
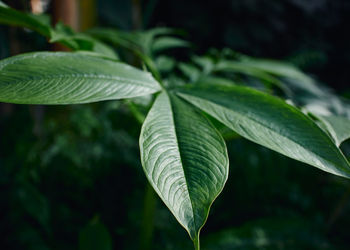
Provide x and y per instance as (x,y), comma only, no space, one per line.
(182,165)
(82,76)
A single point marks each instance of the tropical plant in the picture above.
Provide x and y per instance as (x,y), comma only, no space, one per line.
(193,104)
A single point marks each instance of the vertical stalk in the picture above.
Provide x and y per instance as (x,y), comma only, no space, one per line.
(196,243)
(150,199)
(147,227)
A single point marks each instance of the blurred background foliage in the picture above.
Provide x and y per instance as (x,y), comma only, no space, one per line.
(71,178)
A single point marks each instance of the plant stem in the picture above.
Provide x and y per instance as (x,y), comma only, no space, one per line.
(147,229)
(196,243)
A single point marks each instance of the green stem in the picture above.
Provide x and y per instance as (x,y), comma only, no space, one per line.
(139,116)
(148,218)
(196,243)
(151,66)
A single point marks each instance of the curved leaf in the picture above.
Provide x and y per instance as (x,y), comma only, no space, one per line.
(38,23)
(69,78)
(168,42)
(80,41)
(270,122)
(3,4)
(185,160)
(337,126)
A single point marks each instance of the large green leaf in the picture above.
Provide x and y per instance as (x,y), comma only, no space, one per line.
(271,122)
(185,160)
(38,23)
(69,78)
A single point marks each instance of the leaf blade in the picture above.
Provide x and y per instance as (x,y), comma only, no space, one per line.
(69,78)
(173,147)
(338,127)
(13,17)
(270,122)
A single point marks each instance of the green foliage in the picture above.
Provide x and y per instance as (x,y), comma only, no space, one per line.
(68,78)
(183,154)
(184,159)
(9,16)
(272,123)
(337,126)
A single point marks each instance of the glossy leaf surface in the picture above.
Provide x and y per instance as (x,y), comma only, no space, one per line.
(184,158)
(270,122)
(69,78)
(337,126)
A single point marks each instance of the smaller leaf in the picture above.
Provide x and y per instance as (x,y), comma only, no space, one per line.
(13,17)
(165,64)
(190,71)
(80,41)
(337,126)
(242,68)
(205,62)
(3,4)
(70,78)
(277,68)
(270,122)
(168,42)
(214,80)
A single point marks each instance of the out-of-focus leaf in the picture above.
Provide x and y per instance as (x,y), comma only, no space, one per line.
(116,37)
(277,68)
(214,80)
(3,4)
(239,67)
(164,43)
(80,41)
(270,122)
(95,236)
(69,78)
(192,72)
(185,160)
(205,62)
(165,64)
(13,17)
(140,41)
(35,204)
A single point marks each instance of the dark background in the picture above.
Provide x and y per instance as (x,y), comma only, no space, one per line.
(313,34)
(64,170)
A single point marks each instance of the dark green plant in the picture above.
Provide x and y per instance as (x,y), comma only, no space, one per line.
(183,154)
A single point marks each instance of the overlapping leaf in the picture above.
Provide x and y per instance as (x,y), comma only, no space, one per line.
(69,78)
(168,42)
(270,122)
(184,158)
(38,23)
(337,126)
